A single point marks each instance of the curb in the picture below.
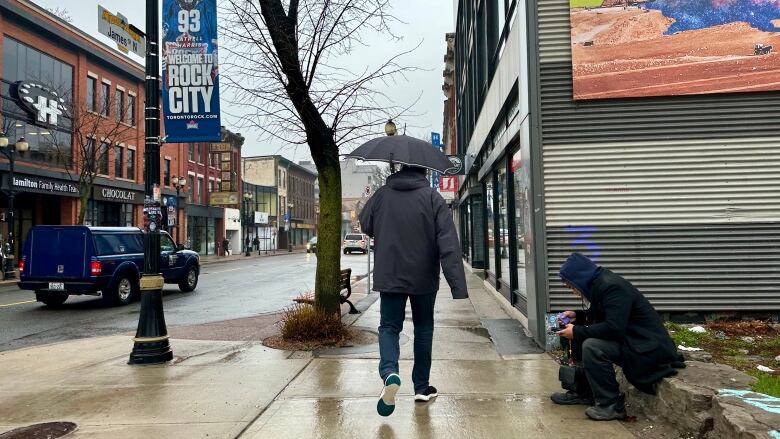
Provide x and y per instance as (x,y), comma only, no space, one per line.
(223,259)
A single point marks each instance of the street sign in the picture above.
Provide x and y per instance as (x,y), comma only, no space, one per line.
(436,139)
(128,38)
(287,217)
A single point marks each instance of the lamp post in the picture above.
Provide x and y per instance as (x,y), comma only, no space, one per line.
(247,243)
(179,184)
(390,128)
(289,227)
(10,151)
(151,344)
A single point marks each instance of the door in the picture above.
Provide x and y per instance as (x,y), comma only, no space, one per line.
(170,262)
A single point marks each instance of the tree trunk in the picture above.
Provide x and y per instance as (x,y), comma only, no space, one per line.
(84,199)
(327,288)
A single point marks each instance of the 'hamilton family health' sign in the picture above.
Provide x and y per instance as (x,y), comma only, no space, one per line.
(190,72)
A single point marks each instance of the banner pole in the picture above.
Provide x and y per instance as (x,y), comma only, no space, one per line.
(151,345)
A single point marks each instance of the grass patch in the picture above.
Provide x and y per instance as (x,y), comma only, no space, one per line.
(585,3)
(767,384)
(682,336)
(736,352)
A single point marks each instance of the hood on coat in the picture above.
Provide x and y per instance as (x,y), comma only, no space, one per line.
(407,179)
(580,271)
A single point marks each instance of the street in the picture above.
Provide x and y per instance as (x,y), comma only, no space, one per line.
(226,290)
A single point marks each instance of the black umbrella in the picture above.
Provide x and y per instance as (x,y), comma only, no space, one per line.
(404,150)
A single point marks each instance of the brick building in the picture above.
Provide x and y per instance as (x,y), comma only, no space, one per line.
(212,187)
(92,80)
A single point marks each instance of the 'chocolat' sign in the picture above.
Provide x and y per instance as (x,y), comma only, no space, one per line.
(118,195)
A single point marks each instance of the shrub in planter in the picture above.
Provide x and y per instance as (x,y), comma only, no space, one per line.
(303,322)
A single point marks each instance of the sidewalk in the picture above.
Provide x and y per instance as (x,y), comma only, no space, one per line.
(492,381)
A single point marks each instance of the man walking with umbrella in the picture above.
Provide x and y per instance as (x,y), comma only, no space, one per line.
(415,237)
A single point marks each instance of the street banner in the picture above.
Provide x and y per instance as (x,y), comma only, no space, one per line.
(190,71)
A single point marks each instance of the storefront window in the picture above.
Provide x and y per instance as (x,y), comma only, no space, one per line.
(491,222)
(23,63)
(521,213)
(502,237)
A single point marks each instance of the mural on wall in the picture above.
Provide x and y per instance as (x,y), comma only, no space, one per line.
(635,48)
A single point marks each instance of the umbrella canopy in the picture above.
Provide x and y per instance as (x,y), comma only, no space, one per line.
(404,150)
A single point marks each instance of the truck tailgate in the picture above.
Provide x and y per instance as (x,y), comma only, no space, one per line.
(58,253)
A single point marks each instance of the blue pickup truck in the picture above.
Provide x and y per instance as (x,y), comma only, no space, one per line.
(58,261)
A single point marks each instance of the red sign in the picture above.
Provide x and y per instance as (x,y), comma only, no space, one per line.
(448,183)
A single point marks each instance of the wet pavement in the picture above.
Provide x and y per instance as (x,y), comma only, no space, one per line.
(232,289)
(241,389)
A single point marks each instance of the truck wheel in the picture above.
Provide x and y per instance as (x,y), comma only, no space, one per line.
(190,281)
(124,292)
(52,300)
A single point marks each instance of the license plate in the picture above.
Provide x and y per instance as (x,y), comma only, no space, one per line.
(56,286)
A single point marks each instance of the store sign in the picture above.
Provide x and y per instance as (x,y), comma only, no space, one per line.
(232,219)
(458,165)
(42,185)
(127,37)
(221,147)
(448,187)
(190,71)
(43,103)
(118,195)
(261,218)
(223,199)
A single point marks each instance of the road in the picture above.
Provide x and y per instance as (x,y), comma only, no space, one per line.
(226,290)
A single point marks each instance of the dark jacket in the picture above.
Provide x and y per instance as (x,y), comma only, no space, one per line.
(619,312)
(415,238)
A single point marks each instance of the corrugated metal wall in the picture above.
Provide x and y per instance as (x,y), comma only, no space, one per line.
(679,194)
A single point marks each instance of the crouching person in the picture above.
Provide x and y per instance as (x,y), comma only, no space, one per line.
(619,328)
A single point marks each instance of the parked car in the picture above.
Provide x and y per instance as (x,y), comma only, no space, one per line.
(355,242)
(311,246)
(58,261)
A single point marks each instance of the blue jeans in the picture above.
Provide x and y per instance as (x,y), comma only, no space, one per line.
(392,310)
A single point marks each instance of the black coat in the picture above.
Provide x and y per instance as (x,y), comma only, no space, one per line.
(415,238)
(619,312)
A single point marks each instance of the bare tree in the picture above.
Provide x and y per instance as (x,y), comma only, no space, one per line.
(281,60)
(61,13)
(95,128)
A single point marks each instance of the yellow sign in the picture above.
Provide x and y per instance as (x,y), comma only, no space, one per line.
(223,198)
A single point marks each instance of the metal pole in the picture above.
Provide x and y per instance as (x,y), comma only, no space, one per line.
(151,339)
(9,268)
(289,229)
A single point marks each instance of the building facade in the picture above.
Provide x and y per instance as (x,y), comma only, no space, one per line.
(676,193)
(85,160)
(213,185)
(295,190)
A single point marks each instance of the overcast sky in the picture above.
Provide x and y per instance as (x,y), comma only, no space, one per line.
(424,23)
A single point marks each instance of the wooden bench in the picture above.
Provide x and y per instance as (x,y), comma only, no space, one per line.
(345,290)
